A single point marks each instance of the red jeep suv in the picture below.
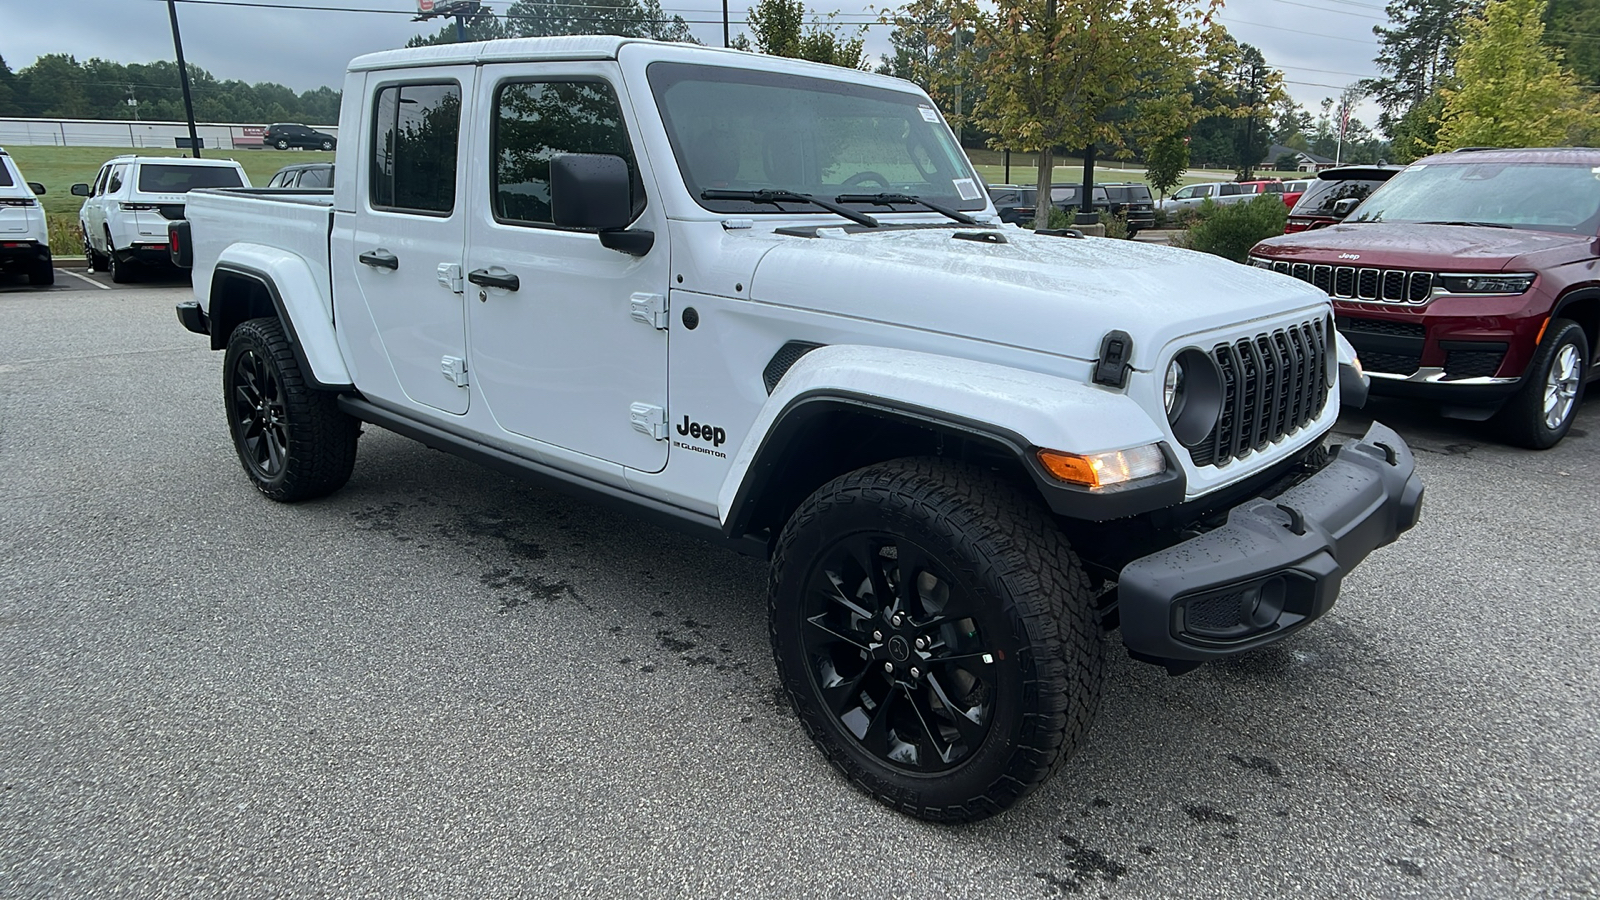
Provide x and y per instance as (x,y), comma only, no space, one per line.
(1471,279)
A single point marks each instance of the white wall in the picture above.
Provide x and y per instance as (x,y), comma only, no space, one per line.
(107,133)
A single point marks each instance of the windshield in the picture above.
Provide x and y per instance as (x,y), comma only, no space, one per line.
(1538,196)
(740,130)
(183,179)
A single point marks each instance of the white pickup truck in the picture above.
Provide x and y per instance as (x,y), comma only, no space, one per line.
(769,302)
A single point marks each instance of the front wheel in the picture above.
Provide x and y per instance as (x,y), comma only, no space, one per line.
(936,636)
(282,144)
(1539,415)
(327,145)
(293,441)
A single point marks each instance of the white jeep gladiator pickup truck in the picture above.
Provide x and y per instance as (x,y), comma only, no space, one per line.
(769,302)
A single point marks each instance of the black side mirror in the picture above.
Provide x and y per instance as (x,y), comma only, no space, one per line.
(590,190)
(37,188)
(80,190)
(1345,207)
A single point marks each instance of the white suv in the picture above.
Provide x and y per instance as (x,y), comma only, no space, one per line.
(24,237)
(124,220)
(1221,193)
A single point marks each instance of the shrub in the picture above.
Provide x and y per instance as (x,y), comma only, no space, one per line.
(65,238)
(1116,226)
(1230,231)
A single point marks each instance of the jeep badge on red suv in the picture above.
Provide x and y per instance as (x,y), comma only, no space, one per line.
(1471,279)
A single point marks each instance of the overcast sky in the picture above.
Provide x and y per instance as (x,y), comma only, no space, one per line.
(1321,45)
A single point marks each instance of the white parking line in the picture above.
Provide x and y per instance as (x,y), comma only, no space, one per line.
(82,278)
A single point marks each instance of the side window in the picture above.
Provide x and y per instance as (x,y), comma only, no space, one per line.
(316,178)
(416,128)
(117,174)
(535,120)
(1205,190)
(100,181)
(1227,190)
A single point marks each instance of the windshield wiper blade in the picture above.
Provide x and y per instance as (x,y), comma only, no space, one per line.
(771,196)
(1479,224)
(890,199)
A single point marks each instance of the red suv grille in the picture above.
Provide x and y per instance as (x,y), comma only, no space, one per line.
(1355,283)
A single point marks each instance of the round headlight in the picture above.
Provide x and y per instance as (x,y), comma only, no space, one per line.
(1172,389)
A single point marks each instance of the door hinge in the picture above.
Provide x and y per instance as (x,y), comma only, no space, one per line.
(455,369)
(450,277)
(651,309)
(651,420)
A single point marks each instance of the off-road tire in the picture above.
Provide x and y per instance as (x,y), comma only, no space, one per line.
(1032,606)
(43,273)
(309,445)
(1522,421)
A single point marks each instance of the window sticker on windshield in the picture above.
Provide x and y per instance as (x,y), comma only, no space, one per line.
(966,188)
(929,114)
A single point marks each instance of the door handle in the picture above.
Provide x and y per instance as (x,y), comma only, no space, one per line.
(380,259)
(486,278)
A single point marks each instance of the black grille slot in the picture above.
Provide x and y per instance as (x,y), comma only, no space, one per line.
(1367,284)
(1390,363)
(1272,384)
(1344,281)
(1355,325)
(1322,277)
(1301,271)
(1421,287)
(1281,267)
(1394,286)
(1471,363)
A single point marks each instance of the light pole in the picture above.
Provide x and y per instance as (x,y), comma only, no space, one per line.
(183,79)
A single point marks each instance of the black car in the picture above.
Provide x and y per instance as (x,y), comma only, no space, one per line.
(1132,200)
(304,176)
(1316,208)
(285,135)
(1016,203)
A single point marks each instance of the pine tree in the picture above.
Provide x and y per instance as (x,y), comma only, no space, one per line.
(1417,54)
(1513,90)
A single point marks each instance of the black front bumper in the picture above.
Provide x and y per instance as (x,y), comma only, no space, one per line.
(1276,564)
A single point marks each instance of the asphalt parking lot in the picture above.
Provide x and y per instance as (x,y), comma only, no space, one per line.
(442,682)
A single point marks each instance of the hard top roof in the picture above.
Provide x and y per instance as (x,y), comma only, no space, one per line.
(1568,155)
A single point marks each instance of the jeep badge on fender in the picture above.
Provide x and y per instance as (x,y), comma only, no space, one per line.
(702,432)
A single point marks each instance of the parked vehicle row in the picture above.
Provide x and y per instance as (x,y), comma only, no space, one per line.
(1131,200)
(24,233)
(1470,279)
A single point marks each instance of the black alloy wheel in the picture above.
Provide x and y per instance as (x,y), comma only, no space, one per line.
(257,416)
(936,635)
(895,650)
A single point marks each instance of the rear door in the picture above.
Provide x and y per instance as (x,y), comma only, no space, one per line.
(409,222)
(574,353)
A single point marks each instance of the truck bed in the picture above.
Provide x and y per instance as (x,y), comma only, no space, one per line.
(269,221)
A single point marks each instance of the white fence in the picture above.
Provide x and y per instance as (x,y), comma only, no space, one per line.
(112,133)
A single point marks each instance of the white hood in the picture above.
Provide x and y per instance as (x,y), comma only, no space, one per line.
(1051,294)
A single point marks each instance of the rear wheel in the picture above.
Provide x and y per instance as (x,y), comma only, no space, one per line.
(936,636)
(42,273)
(327,145)
(293,441)
(1539,415)
(282,144)
(121,269)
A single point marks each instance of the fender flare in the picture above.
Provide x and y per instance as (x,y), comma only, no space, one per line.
(1012,410)
(296,296)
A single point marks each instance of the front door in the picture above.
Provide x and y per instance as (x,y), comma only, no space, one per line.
(411,213)
(557,351)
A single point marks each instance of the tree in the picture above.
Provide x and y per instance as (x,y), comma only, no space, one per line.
(545,18)
(1165,160)
(780,29)
(1240,93)
(1570,25)
(1416,53)
(918,58)
(1512,89)
(1071,73)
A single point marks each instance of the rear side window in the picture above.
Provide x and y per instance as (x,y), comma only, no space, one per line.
(316,178)
(5,174)
(535,120)
(1320,196)
(115,184)
(1229,190)
(415,130)
(183,179)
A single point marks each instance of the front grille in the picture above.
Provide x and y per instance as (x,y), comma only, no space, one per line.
(1355,283)
(1356,325)
(1219,614)
(1273,385)
(1471,363)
